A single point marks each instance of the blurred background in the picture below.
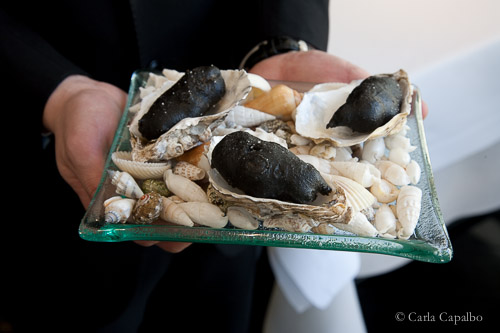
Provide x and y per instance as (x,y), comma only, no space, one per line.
(451,51)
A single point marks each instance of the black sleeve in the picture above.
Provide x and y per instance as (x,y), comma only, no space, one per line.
(31,64)
(300,19)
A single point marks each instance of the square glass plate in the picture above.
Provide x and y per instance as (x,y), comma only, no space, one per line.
(430,243)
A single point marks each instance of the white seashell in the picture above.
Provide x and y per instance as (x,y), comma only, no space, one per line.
(205,213)
(399,156)
(408,209)
(358,225)
(357,197)
(384,191)
(324,150)
(246,117)
(299,140)
(118,209)
(413,170)
(373,150)
(189,171)
(320,164)
(385,221)
(171,212)
(292,223)
(241,218)
(186,189)
(259,82)
(363,173)
(139,170)
(398,141)
(125,184)
(393,172)
(344,154)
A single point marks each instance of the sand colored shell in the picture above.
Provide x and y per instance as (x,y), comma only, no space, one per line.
(147,208)
(189,171)
(357,197)
(393,172)
(408,209)
(139,170)
(241,218)
(358,225)
(280,101)
(385,221)
(384,191)
(186,189)
(319,105)
(171,212)
(363,173)
(125,184)
(118,209)
(205,214)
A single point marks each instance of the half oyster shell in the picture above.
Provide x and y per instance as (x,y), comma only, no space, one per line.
(321,102)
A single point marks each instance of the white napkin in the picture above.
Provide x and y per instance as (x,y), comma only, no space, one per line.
(310,277)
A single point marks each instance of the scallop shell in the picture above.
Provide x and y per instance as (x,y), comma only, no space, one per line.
(319,105)
(118,209)
(357,197)
(139,170)
(125,184)
(147,208)
(190,132)
(189,171)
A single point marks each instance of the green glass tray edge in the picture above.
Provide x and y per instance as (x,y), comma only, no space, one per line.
(92,229)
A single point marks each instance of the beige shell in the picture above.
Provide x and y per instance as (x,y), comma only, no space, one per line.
(184,188)
(139,170)
(171,212)
(280,101)
(408,209)
(125,184)
(241,218)
(363,173)
(384,191)
(357,197)
(385,222)
(118,209)
(189,171)
(205,214)
(358,225)
(393,172)
(325,209)
(319,105)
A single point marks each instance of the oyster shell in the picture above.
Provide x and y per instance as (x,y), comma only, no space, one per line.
(188,132)
(320,104)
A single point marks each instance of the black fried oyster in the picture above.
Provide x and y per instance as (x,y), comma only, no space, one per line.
(370,105)
(266,170)
(192,96)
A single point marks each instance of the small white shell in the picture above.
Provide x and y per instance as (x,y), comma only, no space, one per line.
(246,117)
(363,173)
(171,212)
(118,209)
(384,191)
(186,189)
(373,150)
(408,209)
(125,184)
(344,154)
(205,214)
(241,218)
(399,156)
(358,225)
(413,170)
(398,141)
(393,172)
(189,171)
(385,221)
(320,164)
(139,170)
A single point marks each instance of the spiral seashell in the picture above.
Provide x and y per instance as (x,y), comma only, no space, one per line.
(385,222)
(363,173)
(155,185)
(399,156)
(171,212)
(246,117)
(408,209)
(205,213)
(118,209)
(139,170)
(186,189)
(125,184)
(241,218)
(384,191)
(413,170)
(280,101)
(358,225)
(147,208)
(373,150)
(393,172)
(189,171)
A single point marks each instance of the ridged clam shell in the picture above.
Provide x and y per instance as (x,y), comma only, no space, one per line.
(189,171)
(319,105)
(324,209)
(357,197)
(125,184)
(139,170)
(118,209)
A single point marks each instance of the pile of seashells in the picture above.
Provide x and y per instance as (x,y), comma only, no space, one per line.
(169,180)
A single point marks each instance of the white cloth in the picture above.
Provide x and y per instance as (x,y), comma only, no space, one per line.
(312,278)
